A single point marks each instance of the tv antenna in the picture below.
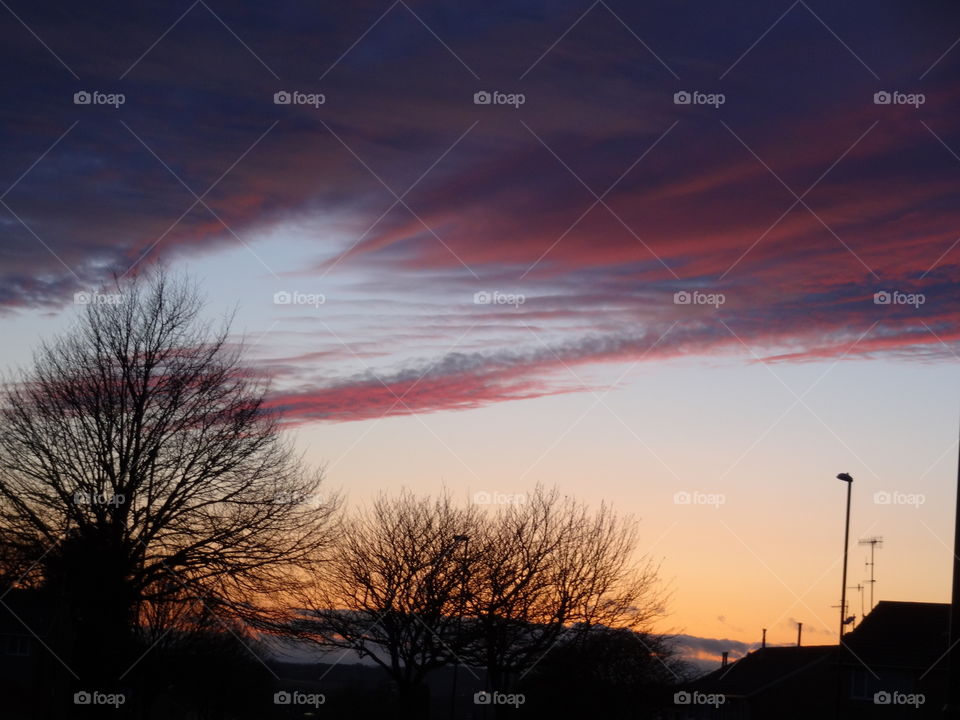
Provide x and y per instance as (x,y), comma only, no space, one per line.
(873,542)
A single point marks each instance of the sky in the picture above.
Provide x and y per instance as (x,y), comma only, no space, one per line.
(688,258)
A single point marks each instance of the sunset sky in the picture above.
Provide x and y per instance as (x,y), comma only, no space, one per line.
(352,238)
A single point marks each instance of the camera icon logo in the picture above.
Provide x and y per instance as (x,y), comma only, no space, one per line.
(681,297)
(682,98)
(482,98)
(882,497)
(82,698)
(482,698)
(482,297)
(882,98)
(881,698)
(282,698)
(282,98)
(682,698)
(682,498)
(882,298)
(282,298)
(82,98)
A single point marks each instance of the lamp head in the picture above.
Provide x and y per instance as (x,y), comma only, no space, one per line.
(846,477)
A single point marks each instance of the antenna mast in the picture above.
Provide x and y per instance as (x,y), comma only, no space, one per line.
(873,542)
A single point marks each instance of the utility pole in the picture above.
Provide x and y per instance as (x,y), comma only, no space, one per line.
(873,542)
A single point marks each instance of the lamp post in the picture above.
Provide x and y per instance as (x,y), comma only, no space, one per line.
(848,479)
(838,710)
(465,541)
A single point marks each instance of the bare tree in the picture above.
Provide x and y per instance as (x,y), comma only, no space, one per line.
(392,589)
(419,583)
(140,474)
(549,566)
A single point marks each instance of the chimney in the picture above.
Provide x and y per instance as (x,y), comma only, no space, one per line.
(723,663)
(763,643)
(799,632)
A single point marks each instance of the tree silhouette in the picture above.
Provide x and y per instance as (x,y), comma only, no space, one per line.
(141,476)
(418,583)
(544,566)
(393,587)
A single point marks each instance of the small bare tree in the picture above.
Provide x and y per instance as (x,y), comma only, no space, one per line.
(142,478)
(393,586)
(549,566)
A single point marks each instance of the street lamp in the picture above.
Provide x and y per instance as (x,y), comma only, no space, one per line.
(848,479)
(465,541)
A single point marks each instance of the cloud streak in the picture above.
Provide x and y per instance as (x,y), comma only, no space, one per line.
(599,199)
